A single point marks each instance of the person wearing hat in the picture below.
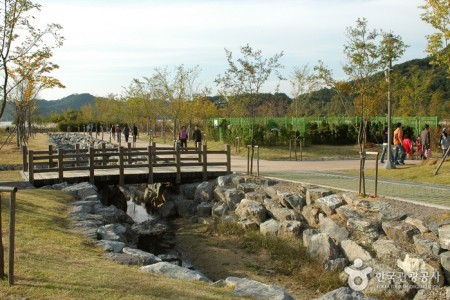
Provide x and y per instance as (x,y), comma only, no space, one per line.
(444,141)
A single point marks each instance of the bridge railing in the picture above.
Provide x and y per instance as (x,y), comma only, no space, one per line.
(122,158)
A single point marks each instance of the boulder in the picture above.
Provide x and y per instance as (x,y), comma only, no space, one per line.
(386,249)
(269,227)
(344,293)
(219,209)
(168,209)
(336,232)
(350,198)
(113,232)
(145,257)
(284,214)
(426,246)
(347,211)
(322,247)
(204,192)
(292,201)
(185,207)
(233,197)
(311,215)
(353,251)
(329,204)
(290,229)
(399,231)
(251,209)
(82,190)
(248,224)
(444,236)
(248,288)
(307,234)
(188,190)
(315,193)
(335,265)
(248,187)
(388,215)
(112,195)
(204,209)
(417,223)
(225,181)
(445,263)
(173,271)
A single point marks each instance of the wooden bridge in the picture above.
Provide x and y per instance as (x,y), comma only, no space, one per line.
(125,165)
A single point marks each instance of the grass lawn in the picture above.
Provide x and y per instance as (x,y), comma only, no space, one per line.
(54,262)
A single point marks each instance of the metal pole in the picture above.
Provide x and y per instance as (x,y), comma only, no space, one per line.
(389,163)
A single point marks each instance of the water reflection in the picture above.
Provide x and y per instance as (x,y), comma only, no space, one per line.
(138,212)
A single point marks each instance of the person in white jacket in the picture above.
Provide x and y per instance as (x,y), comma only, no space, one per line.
(444,141)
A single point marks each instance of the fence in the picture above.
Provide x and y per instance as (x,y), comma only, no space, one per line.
(62,161)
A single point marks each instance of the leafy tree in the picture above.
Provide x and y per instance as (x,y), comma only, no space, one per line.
(437,14)
(303,83)
(21,39)
(245,78)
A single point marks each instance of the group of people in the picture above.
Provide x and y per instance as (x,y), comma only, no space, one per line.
(116,130)
(183,136)
(404,145)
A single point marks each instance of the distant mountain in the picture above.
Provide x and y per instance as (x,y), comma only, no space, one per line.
(45,107)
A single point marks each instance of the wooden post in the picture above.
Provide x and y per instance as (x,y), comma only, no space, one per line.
(50,153)
(178,163)
(12,234)
(205,163)
(60,165)
(91,164)
(376,175)
(30,166)
(257,161)
(105,159)
(228,149)
(24,158)
(128,155)
(199,149)
(121,168)
(77,151)
(153,144)
(150,150)
(2,249)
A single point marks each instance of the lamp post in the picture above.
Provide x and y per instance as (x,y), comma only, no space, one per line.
(389,40)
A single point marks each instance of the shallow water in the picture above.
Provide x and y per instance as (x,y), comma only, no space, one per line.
(138,213)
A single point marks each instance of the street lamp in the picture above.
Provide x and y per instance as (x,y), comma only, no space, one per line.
(389,40)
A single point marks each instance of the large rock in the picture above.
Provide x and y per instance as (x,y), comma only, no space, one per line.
(233,197)
(347,211)
(225,181)
(344,293)
(112,214)
(185,207)
(204,192)
(145,258)
(269,227)
(244,287)
(425,246)
(284,214)
(173,271)
(315,193)
(322,247)
(168,209)
(290,229)
(113,232)
(311,215)
(444,236)
(329,204)
(445,263)
(426,270)
(307,234)
(417,223)
(111,246)
(354,251)
(399,231)
(82,190)
(292,201)
(336,232)
(219,209)
(188,190)
(386,249)
(251,209)
(204,209)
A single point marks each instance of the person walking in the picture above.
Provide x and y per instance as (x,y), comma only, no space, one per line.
(197,136)
(183,136)
(425,141)
(135,133)
(399,156)
(126,132)
(444,141)
(385,145)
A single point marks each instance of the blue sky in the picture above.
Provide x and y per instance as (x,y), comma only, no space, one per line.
(110,42)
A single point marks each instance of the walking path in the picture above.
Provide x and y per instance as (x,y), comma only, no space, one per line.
(324,173)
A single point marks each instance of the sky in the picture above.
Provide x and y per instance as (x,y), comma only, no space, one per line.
(108,43)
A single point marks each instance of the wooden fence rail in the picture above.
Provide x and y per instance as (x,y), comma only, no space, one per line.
(121,158)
